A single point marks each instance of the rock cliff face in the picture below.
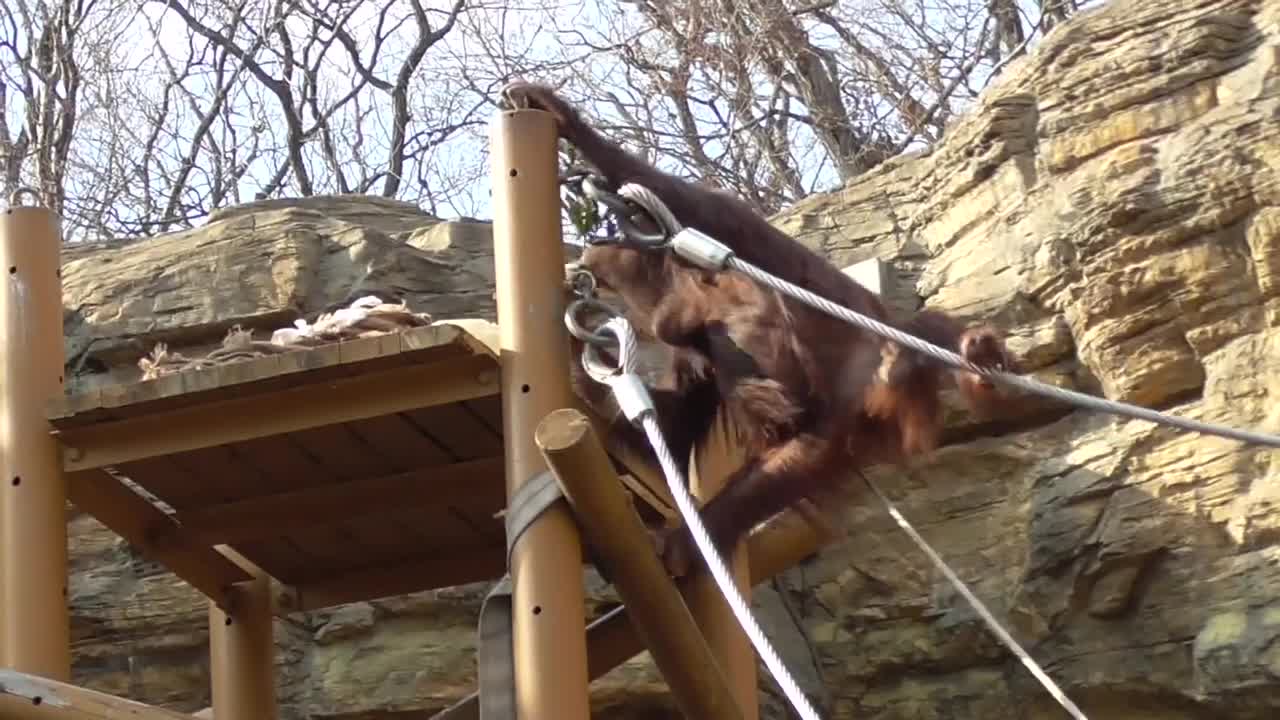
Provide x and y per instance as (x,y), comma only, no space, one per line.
(1114,199)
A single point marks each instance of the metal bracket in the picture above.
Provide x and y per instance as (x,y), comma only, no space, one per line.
(701,249)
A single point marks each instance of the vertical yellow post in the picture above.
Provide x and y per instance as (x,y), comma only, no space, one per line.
(708,470)
(33,526)
(548,613)
(242,650)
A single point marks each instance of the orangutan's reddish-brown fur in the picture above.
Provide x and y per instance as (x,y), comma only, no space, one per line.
(722,327)
(818,397)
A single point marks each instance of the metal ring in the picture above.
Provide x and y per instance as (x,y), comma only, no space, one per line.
(613,201)
(656,240)
(576,273)
(589,337)
(596,367)
(624,211)
(24,190)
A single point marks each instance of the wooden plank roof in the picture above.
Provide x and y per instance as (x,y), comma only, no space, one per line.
(349,471)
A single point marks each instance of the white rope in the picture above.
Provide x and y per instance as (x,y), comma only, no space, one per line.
(626,385)
(1029,384)
(990,620)
(660,212)
(663,215)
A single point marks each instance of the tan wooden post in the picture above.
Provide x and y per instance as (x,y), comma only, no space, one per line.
(548,608)
(33,526)
(242,650)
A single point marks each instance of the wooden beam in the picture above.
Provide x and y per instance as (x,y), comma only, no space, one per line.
(299,408)
(129,515)
(610,524)
(612,639)
(442,568)
(774,547)
(28,697)
(714,461)
(644,478)
(474,483)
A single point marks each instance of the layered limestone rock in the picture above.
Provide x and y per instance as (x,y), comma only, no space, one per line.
(262,265)
(1114,199)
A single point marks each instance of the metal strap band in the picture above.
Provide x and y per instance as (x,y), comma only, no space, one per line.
(495,657)
(496,653)
(532,499)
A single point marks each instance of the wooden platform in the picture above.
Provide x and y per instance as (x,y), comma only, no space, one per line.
(351,471)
